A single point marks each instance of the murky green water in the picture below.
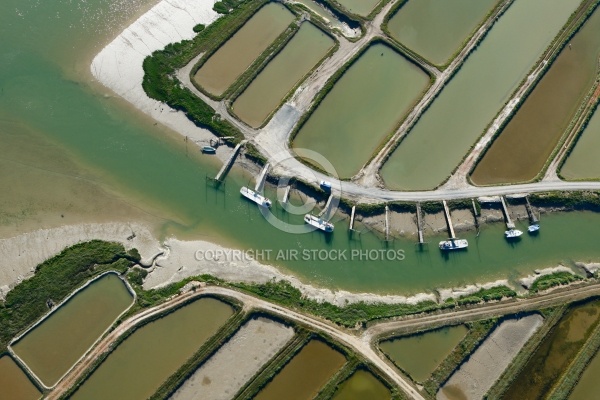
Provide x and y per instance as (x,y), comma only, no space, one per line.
(382,83)
(362,385)
(523,147)
(102,149)
(583,162)
(305,374)
(419,355)
(55,345)
(308,46)
(588,385)
(444,134)
(154,352)
(359,7)
(14,384)
(436,28)
(554,354)
(238,53)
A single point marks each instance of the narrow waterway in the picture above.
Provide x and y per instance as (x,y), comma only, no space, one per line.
(523,147)
(442,137)
(55,345)
(436,29)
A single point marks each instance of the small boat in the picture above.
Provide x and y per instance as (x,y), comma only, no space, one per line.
(251,195)
(512,233)
(454,244)
(535,228)
(209,150)
(326,186)
(318,223)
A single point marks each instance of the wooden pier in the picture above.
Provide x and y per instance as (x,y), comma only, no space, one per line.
(227,166)
(387,223)
(533,219)
(449,220)
(509,223)
(286,195)
(420,223)
(324,214)
(475,214)
(260,182)
(352,218)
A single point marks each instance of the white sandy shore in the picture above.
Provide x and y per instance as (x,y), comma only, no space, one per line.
(119,65)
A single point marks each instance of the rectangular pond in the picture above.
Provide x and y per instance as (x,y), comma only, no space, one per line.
(364,106)
(154,352)
(14,384)
(305,374)
(588,385)
(226,372)
(362,385)
(266,92)
(359,7)
(441,138)
(482,368)
(55,345)
(555,353)
(436,29)
(419,355)
(583,162)
(523,147)
(243,48)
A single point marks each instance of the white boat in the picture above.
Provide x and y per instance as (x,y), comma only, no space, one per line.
(255,197)
(454,244)
(318,223)
(325,185)
(512,233)
(533,228)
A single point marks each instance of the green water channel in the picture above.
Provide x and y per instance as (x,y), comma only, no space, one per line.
(419,355)
(342,128)
(441,138)
(14,384)
(523,147)
(362,385)
(436,29)
(300,55)
(99,147)
(238,53)
(154,352)
(587,387)
(54,346)
(359,7)
(555,353)
(305,374)
(583,162)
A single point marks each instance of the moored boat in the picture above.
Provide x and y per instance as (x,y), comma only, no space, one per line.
(318,223)
(535,228)
(326,186)
(209,150)
(454,244)
(259,199)
(512,233)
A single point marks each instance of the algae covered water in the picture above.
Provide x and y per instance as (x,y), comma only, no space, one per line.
(123,162)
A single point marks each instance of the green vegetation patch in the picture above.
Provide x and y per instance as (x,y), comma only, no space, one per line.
(483,295)
(552,280)
(54,280)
